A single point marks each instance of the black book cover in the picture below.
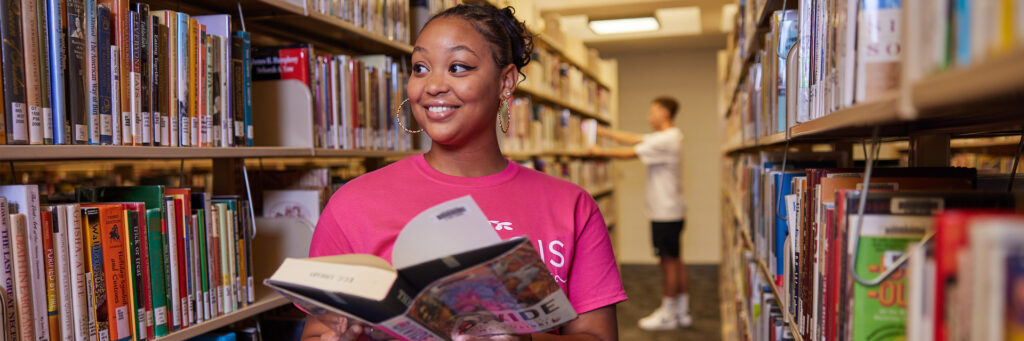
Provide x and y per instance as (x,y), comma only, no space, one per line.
(145,42)
(13,72)
(103,72)
(77,114)
(237,85)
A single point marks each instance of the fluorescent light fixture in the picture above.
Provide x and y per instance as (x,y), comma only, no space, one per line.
(627,25)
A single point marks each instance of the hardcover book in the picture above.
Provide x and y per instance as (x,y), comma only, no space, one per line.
(474,285)
(92,78)
(7,280)
(121,38)
(15,111)
(47,14)
(151,122)
(104,76)
(33,83)
(26,199)
(77,89)
(94,273)
(76,268)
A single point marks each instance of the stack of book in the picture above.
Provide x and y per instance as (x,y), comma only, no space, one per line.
(551,73)
(122,75)
(122,262)
(389,18)
(591,174)
(535,127)
(806,229)
(985,163)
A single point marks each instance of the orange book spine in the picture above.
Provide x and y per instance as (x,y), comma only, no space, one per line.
(50,264)
(193,85)
(116,270)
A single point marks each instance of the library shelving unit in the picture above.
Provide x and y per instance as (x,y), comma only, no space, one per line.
(966,107)
(279,22)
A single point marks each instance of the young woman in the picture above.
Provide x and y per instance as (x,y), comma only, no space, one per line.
(465,66)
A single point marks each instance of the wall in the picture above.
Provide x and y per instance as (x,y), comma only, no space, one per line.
(690,77)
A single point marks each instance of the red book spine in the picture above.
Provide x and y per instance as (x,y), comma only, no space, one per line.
(50,264)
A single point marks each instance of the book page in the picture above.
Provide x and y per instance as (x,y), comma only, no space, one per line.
(448,228)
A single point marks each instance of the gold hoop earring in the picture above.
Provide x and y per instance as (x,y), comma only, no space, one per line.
(504,108)
(398,118)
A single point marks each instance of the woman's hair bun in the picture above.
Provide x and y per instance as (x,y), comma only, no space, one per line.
(514,44)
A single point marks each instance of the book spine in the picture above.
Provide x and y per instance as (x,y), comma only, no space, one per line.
(225,273)
(170,19)
(193,112)
(96,277)
(3,114)
(116,271)
(243,276)
(247,86)
(217,295)
(47,220)
(194,271)
(121,34)
(104,76)
(132,243)
(13,73)
(55,46)
(222,95)
(216,115)
(92,323)
(77,112)
(249,228)
(159,87)
(186,261)
(183,80)
(44,73)
(140,135)
(155,243)
(182,279)
(203,271)
(171,262)
(115,97)
(7,280)
(237,89)
(30,208)
(76,269)
(22,284)
(208,90)
(33,85)
(92,78)
(149,114)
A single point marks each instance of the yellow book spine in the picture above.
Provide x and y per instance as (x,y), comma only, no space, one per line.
(193,88)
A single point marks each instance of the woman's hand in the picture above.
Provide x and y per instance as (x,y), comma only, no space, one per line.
(339,328)
(493,338)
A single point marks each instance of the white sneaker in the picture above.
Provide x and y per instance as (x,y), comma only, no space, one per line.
(660,319)
(684,320)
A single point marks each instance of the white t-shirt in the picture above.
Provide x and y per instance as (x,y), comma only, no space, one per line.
(660,151)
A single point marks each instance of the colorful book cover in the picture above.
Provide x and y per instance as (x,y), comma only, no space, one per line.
(199,204)
(214,259)
(139,135)
(99,317)
(47,220)
(208,113)
(155,246)
(171,264)
(92,78)
(169,55)
(115,267)
(117,128)
(103,70)
(138,285)
(22,284)
(879,47)
(219,26)
(15,111)
(33,84)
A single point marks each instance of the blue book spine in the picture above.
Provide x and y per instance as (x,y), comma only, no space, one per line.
(184,124)
(247,86)
(962,20)
(92,73)
(106,104)
(783,184)
(55,47)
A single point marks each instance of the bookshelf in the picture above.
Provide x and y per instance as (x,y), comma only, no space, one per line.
(974,107)
(286,22)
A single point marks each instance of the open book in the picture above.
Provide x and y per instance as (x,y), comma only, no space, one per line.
(452,275)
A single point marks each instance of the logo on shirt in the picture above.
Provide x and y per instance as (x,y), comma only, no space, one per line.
(501,225)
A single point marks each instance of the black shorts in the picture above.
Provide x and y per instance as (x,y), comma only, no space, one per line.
(665,236)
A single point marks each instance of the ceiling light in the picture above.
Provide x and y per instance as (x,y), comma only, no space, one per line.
(627,25)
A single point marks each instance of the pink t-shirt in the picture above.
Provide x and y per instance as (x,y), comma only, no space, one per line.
(562,220)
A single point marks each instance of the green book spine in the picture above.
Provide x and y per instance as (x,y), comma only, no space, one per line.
(156,270)
(203,270)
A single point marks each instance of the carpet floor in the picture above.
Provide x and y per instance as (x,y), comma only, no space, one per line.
(643,286)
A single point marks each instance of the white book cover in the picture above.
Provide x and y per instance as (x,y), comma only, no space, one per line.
(26,197)
(991,241)
(172,257)
(76,270)
(297,203)
(62,262)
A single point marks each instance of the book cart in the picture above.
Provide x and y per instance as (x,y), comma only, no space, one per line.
(283,22)
(976,107)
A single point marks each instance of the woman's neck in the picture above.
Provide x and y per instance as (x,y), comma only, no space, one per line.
(468,160)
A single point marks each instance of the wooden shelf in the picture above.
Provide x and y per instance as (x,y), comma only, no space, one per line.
(284,19)
(261,305)
(997,77)
(884,111)
(586,69)
(544,97)
(89,152)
